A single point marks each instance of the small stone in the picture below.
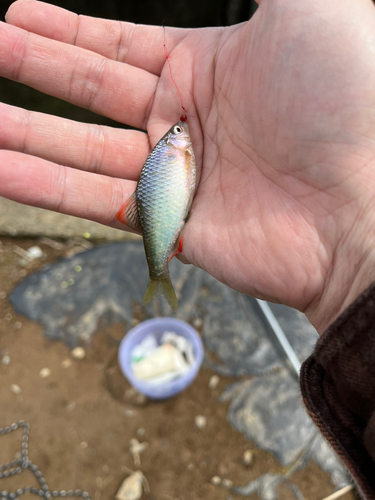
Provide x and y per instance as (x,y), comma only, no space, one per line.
(44,373)
(2,295)
(66,363)
(131,488)
(247,457)
(200,421)
(197,323)
(6,360)
(34,252)
(71,406)
(132,396)
(141,431)
(136,448)
(17,325)
(129,413)
(214,381)
(83,445)
(227,483)
(8,317)
(16,389)
(78,353)
(141,399)
(216,480)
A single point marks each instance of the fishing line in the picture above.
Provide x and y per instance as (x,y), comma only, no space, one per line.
(183,118)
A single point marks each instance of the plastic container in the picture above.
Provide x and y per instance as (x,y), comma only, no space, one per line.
(157,327)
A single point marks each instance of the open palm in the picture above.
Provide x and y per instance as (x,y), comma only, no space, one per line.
(281,117)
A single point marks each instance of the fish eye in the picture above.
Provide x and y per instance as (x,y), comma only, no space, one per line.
(177,129)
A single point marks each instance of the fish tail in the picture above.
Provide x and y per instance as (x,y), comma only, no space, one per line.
(162,286)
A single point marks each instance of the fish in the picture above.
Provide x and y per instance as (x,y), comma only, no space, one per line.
(160,206)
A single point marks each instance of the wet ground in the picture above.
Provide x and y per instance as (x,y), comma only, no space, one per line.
(84,414)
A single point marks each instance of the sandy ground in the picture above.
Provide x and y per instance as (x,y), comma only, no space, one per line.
(84,414)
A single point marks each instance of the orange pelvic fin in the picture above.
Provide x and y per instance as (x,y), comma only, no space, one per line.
(179,250)
(128,214)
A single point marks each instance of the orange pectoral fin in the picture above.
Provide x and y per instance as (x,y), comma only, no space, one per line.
(128,214)
(179,250)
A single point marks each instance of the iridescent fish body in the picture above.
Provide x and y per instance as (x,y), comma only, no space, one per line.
(160,206)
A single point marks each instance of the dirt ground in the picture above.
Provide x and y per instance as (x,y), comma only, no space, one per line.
(84,414)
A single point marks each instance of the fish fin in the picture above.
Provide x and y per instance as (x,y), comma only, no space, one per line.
(179,250)
(162,286)
(128,214)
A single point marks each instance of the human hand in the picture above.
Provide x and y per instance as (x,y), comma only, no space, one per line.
(280,111)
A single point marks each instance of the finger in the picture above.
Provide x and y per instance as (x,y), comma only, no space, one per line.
(117,90)
(44,184)
(137,45)
(104,150)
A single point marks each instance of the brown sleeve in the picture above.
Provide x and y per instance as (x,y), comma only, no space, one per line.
(338,388)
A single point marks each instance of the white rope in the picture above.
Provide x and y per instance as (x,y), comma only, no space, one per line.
(285,344)
(339,493)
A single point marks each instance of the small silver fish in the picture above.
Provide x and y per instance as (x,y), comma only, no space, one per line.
(160,205)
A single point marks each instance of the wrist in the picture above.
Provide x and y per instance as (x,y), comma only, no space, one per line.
(352,271)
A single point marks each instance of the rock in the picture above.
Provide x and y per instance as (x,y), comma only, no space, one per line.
(136,448)
(78,353)
(34,252)
(247,457)
(216,480)
(197,323)
(66,363)
(6,359)
(44,373)
(129,413)
(200,421)
(131,488)
(16,389)
(227,483)
(214,381)
(71,406)
(134,397)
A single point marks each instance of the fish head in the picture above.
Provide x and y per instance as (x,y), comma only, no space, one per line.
(178,136)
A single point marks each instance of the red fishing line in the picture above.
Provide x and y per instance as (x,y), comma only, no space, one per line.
(183,118)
